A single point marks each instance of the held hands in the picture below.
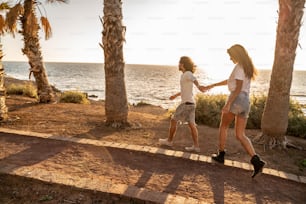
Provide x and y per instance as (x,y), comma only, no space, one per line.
(210,86)
(204,88)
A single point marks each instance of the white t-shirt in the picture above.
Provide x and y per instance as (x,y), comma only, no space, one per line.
(186,82)
(238,73)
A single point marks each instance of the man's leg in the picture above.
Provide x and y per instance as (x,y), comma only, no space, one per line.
(172,130)
(194,134)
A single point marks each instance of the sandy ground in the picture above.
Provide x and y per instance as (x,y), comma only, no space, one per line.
(207,182)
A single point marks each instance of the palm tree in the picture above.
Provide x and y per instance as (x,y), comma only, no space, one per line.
(3,107)
(275,116)
(24,11)
(116,105)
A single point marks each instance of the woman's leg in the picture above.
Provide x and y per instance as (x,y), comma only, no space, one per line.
(240,125)
(258,164)
(226,120)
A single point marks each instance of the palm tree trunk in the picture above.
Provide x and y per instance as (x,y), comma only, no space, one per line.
(116,105)
(275,116)
(32,50)
(3,107)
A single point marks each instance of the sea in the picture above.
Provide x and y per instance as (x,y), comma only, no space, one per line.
(152,84)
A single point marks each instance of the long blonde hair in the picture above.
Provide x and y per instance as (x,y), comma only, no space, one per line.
(239,54)
(188,64)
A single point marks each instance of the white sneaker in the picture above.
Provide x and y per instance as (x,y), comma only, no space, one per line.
(165,142)
(193,149)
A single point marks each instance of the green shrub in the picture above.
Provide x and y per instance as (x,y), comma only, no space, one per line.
(295,109)
(296,120)
(142,103)
(297,126)
(208,112)
(27,89)
(303,163)
(74,97)
(208,109)
(256,110)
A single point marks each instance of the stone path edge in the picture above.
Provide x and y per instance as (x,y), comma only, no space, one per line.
(133,191)
(127,191)
(156,150)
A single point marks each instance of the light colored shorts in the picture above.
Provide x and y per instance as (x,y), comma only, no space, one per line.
(185,113)
(241,105)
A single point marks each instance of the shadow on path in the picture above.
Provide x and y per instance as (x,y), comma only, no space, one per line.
(213,183)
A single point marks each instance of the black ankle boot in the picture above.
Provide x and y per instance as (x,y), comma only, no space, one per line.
(220,157)
(258,165)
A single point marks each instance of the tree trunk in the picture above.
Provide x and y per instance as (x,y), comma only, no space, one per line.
(275,116)
(3,107)
(32,50)
(116,105)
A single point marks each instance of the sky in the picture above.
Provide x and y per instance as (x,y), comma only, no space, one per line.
(160,31)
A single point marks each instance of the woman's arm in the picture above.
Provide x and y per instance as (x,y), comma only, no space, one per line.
(206,88)
(221,83)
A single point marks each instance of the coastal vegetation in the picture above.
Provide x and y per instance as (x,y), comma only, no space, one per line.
(73,97)
(27,89)
(30,90)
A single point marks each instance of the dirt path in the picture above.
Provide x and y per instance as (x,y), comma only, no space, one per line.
(72,162)
(207,182)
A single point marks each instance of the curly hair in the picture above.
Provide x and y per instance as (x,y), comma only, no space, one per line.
(188,64)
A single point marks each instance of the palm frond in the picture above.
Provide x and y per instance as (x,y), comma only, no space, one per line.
(12,18)
(46,26)
(4,6)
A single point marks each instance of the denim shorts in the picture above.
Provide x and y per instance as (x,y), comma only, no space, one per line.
(185,113)
(241,105)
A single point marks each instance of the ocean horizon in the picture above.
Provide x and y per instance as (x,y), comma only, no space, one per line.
(152,84)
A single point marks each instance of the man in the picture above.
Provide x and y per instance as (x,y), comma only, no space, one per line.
(185,112)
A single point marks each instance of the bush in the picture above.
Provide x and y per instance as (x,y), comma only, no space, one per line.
(297,126)
(74,97)
(297,120)
(142,103)
(208,112)
(256,110)
(208,109)
(27,89)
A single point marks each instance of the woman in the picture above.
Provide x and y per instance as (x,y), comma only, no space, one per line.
(238,105)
